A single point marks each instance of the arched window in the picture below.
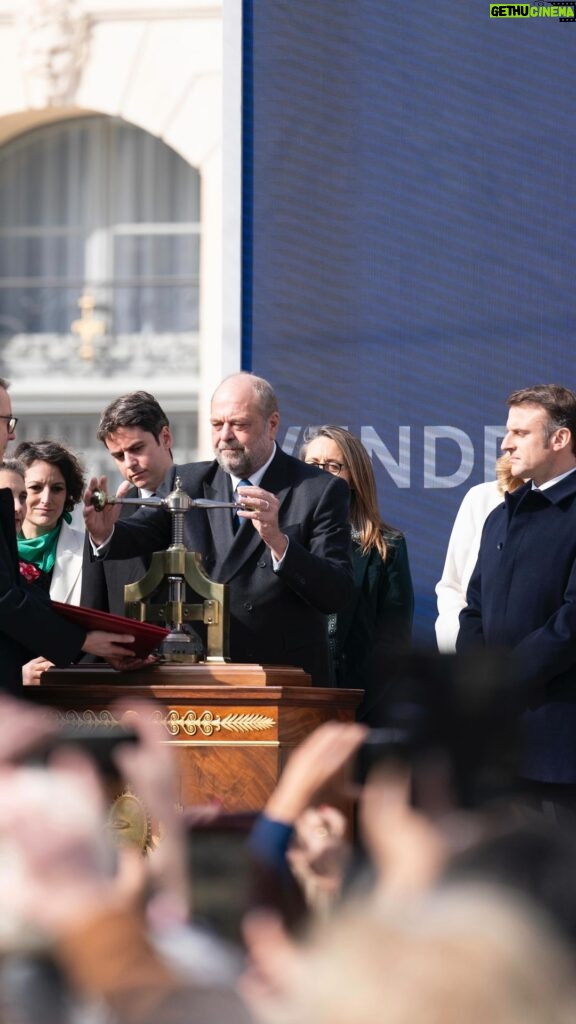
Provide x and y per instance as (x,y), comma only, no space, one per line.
(95,206)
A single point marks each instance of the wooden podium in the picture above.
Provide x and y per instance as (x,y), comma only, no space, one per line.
(231,726)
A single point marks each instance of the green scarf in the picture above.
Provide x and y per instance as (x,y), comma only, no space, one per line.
(41,551)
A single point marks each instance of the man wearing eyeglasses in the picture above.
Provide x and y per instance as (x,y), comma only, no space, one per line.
(285,554)
(7,420)
(28,625)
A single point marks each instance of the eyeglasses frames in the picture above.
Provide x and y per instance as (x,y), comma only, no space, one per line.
(330,467)
(11,421)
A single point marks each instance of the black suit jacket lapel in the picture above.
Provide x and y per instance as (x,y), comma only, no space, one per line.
(233,550)
(8,525)
(277,478)
(220,519)
(360,565)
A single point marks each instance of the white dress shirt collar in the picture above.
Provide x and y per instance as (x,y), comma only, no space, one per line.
(554,480)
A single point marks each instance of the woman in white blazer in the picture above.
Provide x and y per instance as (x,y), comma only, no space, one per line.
(463,547)
(54,485)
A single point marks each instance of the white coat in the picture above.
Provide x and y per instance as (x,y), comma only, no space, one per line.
(66,582)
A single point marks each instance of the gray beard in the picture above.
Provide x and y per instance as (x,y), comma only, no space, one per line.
(239,466)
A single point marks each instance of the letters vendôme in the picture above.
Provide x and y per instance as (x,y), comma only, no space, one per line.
(405,470)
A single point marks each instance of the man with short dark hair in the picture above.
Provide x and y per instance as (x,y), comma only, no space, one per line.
(522,594)
(122,427)
(136,431)
(288,566)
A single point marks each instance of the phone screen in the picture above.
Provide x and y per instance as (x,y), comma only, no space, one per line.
(222,876)
(97,742)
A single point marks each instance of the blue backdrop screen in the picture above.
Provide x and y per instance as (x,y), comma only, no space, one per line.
(409,236)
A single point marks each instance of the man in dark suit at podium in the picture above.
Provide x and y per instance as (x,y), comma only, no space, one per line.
(136,431)
(285,555)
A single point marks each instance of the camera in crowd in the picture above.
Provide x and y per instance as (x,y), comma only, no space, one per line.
(456,714)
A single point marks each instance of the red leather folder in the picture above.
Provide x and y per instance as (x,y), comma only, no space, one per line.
(146,635)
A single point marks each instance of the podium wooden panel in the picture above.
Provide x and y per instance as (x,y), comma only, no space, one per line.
(232,727)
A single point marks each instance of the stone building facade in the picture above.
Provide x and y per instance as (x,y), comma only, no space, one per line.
(110,213)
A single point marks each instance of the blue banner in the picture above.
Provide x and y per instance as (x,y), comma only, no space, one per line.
(409,236)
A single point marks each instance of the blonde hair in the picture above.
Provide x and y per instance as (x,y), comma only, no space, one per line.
(504,479)
(465,954)
(365,516)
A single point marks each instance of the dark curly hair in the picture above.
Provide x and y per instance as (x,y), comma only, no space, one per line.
(29,452)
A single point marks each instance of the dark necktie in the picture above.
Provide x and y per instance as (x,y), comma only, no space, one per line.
(237,520)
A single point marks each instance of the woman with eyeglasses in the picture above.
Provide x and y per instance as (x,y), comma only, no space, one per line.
(378,621)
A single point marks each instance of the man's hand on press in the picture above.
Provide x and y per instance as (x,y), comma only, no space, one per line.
(100,525)
(262,507)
